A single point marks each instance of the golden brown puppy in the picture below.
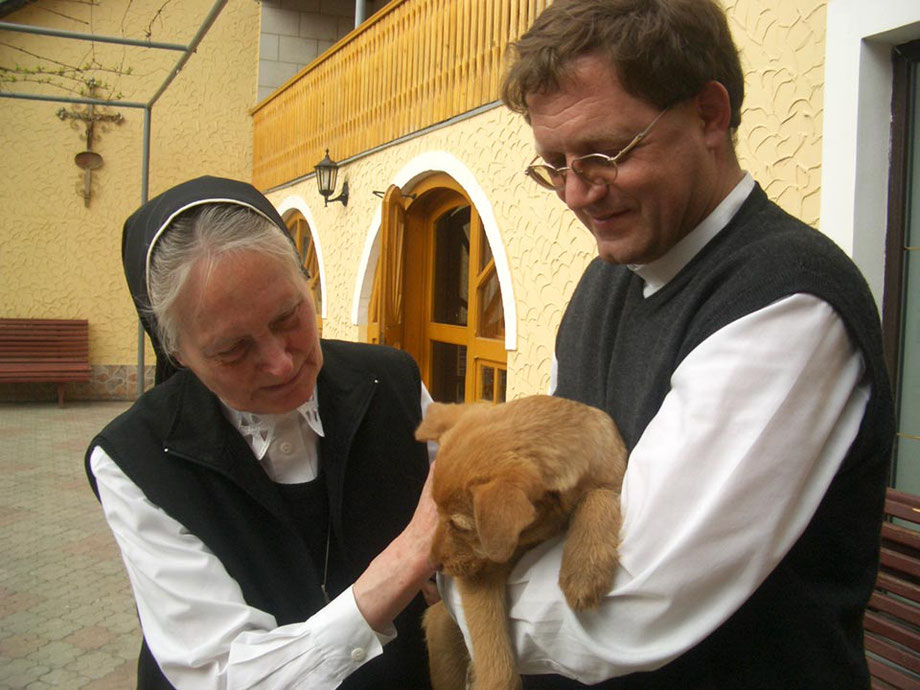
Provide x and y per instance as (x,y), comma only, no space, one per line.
(508,477)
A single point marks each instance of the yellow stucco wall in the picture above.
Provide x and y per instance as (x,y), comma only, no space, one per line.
(779,142)
(782,54)
(60,259)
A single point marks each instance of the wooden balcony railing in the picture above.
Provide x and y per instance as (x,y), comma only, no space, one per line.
(413,64)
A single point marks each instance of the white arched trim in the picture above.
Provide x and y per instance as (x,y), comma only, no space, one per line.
(417,169)
(296,203)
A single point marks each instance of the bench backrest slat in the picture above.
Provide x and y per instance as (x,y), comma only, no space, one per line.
(892,620)
(885,677)
(31,340)
(45,351)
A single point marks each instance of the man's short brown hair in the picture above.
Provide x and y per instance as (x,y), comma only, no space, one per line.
(664,50)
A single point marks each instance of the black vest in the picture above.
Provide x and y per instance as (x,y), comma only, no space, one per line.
(176,445)
(802,628)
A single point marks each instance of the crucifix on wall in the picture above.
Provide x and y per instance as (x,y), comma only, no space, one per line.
(89,160)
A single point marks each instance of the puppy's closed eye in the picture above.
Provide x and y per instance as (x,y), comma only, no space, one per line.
(462,522)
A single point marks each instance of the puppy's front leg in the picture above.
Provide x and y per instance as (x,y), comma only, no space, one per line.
(590,554)
(486,612)
(448,659)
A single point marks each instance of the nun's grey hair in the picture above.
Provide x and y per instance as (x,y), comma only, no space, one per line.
(209,232)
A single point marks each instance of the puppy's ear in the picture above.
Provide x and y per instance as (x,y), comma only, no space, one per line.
(502,511)
(439,417)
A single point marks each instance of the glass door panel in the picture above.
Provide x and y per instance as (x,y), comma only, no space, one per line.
(448,372)
(491,380)
(452,267)
(491,312)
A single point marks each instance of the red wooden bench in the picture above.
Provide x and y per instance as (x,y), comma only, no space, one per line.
(44,351)
(892,622)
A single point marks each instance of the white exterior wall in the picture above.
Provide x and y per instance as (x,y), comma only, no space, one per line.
(857,125)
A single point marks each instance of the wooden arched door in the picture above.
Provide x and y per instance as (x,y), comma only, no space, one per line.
(437,294)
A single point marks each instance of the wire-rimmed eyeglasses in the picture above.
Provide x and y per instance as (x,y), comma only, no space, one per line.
(593,168)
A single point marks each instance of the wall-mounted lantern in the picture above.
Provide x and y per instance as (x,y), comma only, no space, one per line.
(326,172)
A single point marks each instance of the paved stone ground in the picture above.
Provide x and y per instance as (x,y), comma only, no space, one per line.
(67,617)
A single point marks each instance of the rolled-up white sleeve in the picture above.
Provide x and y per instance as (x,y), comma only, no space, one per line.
(194,617)
(722,483)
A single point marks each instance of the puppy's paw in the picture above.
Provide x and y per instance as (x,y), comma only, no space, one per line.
(590,556)
(584,587)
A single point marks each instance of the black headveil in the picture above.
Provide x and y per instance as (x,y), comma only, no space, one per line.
(148,223)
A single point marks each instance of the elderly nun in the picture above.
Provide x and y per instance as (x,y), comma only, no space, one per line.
(265,494)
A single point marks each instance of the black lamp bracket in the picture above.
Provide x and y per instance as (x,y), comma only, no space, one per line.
(343,197)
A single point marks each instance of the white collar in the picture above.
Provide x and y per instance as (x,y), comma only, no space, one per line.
(259,429)
(659,272)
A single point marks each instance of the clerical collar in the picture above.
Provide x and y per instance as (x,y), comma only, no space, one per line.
(259,429)
(659,272)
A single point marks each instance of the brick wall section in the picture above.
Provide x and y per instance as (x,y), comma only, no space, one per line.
(294,33)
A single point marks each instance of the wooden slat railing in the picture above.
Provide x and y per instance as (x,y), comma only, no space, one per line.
(413,64)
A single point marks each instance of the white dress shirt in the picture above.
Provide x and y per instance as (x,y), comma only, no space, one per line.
(193,614)
(711,501)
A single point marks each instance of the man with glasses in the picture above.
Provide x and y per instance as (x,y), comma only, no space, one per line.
(737,349)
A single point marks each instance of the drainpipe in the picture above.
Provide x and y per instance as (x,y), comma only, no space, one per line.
(360,12)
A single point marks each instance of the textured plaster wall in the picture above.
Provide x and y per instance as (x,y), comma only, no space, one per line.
(779,142)
(60,259)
